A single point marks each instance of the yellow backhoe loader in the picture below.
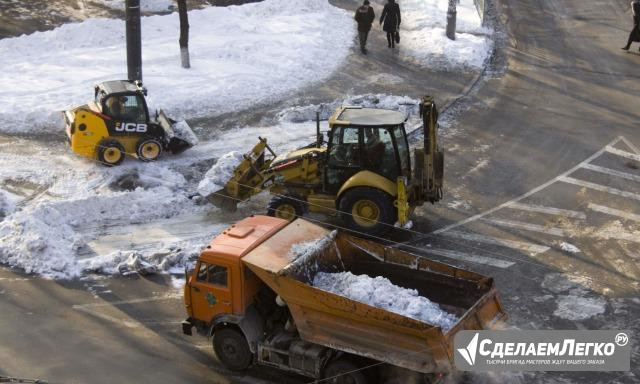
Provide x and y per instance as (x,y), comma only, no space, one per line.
(364,174)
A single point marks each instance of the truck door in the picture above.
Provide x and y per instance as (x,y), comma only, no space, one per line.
(211,290)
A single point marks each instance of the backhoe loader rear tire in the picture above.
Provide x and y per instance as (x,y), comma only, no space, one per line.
(286,207)
(344,371)
(110,152)
(367,210)
(148,149)
(232,349)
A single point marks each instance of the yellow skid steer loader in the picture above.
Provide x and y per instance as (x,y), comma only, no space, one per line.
(117,123)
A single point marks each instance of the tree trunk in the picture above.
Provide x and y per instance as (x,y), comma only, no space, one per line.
(184,33)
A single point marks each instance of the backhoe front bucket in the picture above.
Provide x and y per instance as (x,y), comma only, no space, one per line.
(179,134)
(249,178)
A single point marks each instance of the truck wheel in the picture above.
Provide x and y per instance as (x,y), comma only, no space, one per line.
(110,152)
(148,149)
(285,207)
(367,210)
(344,372)
(232,349)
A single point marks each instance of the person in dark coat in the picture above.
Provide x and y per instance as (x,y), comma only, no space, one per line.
(635,32)
(391,18)
(364,16)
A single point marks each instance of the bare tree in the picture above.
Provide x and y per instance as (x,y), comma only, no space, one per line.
(184,33)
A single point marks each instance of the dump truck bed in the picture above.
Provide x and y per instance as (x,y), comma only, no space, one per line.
(288,262)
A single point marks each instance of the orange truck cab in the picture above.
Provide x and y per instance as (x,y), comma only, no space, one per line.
(252,291)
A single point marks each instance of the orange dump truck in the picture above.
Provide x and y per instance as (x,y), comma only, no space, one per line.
(252,292)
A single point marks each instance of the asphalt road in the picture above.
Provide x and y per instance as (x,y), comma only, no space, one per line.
(543,193)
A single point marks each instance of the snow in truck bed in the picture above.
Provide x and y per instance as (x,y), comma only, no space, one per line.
(381,293)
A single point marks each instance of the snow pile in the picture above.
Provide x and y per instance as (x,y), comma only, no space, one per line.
(145,5)
(221,172)
(8,202)
(423,37)
(45,237)
(300,252)
(568,247)
(183,131)
(240,56)
(381,293)
(404,104)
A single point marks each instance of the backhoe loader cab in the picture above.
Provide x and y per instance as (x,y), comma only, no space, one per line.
(364,174)
(117,123)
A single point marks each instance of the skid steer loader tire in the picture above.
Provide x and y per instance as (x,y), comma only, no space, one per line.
(344,371)
(148,149)
(367,210)
(286,207)
(110,152)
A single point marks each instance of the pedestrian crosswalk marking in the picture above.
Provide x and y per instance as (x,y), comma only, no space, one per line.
(610,171)
(532,248)
(529,227)
(614,212)
(620,152)
(549,210)
(599,187)
(471,258)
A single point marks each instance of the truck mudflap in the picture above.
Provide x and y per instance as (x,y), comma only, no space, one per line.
(179,135)
(347,325)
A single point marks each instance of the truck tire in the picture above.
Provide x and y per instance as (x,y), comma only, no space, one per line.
(367,210)
(344,371)
(148,149)
(232,349)
(286,207)
(110,152)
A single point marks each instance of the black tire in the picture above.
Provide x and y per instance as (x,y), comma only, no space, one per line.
(232,349)
(344,371)
(379,203)
(148,149)
(286,207)
(107,152)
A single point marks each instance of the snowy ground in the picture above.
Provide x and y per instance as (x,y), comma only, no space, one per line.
(239,56)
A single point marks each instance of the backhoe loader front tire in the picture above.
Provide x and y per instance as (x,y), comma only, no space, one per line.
(110,152)
(344,371)
(232,349)
(367,210)
(286,207)
(148,149)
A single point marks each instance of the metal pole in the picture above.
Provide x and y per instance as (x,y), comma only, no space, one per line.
(451,20)
(134,40)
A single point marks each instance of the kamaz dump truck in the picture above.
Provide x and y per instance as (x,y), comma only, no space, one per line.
(363,175)
(251,291)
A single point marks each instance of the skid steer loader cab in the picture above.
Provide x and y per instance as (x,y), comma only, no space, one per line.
(117,123)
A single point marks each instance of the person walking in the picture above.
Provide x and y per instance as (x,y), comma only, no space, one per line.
(364,16)
(391,18)
(634,35)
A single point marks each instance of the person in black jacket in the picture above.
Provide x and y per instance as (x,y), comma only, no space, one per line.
(391,18)
(635,32)
(364,16)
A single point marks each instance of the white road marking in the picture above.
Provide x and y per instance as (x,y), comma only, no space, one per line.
(531,192)
(630,145)
(549,210)
(12,279)
(620,152)
(529,227)
(614,212)
(532,248)
(610,171)
(471,258)
(599,187)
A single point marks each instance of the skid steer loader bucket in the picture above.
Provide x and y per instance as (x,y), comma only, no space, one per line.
(248,178)
(179,134)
